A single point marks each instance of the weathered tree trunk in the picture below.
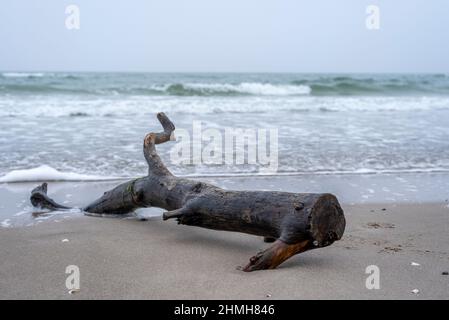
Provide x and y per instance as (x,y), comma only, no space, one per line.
(296,222)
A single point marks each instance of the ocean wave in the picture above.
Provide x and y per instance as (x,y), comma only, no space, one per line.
(32,75)
(245,88)
(229,90)
(59,106)
(367,87)
(23,74)
(176,89)
(229,85)
(48,89)
(376,85)
(47,173)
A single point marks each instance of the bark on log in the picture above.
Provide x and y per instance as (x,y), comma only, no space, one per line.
(295,222)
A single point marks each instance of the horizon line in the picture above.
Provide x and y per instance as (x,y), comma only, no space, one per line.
(226,72)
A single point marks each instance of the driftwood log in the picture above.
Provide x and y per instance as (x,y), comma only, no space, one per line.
(295,222)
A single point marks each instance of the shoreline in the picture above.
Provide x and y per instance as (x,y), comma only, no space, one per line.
(94,178)
(15,209)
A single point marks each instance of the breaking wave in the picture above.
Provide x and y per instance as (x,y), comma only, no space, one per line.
(245,88)
(22,74)
(143,84)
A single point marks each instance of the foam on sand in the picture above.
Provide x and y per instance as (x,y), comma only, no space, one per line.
(47,173)
(6,223)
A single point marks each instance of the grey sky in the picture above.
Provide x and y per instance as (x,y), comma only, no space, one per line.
(226,35)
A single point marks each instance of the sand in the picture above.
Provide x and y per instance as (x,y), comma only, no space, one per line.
(128,258)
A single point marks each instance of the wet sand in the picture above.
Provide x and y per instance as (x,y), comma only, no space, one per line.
(416,188)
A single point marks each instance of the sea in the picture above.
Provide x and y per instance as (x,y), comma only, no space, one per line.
(90,126)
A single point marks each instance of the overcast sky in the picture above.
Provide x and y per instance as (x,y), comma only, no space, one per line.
(225,35)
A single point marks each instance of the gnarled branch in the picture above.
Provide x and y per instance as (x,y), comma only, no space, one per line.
(296,222)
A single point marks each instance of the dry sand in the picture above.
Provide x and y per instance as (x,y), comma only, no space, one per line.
(121,258)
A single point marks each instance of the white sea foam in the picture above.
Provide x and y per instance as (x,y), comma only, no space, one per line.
(254,88)
(47,173)
(6,223)
(22,74)
(61,107)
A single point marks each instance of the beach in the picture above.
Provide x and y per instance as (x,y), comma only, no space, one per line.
(313,134)
(136,258)
(378,142)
